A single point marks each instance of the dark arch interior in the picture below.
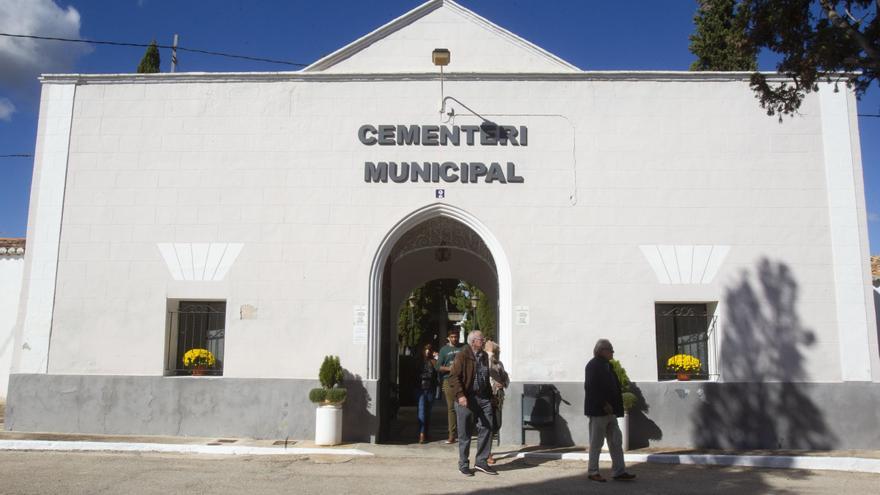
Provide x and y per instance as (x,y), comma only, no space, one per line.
(439,275)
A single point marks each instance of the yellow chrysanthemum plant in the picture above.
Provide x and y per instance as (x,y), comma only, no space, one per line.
(684,363)
(199,358)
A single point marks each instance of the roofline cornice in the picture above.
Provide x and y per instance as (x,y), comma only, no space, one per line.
(299,76)
(373,36)
(417,13)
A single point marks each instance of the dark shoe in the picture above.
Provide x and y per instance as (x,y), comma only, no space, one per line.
(596,477)
(421,438)
(485,468)
(449,440)
(465,471)
(624,477)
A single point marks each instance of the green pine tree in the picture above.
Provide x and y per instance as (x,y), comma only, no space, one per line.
(150,62)
(485,318)
(719,40)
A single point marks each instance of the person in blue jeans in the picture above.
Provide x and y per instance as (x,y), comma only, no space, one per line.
(425,387)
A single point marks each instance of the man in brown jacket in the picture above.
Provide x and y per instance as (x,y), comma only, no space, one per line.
(469,380)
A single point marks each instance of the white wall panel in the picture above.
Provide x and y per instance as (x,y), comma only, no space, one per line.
(31,350)
(622,206)
(848,264)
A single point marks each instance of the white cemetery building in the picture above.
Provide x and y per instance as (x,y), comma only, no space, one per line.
(11,267)
(275,218)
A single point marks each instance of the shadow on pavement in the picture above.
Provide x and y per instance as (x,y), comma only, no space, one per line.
(654,479)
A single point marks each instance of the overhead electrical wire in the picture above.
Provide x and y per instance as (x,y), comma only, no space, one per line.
(142,45)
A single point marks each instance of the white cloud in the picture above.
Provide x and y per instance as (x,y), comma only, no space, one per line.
(6,109)
(24,59)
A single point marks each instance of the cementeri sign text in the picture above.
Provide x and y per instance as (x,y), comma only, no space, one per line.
(487,134)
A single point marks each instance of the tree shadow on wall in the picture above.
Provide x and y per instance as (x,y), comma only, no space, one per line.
(641,429)
(358,419)
(767,406)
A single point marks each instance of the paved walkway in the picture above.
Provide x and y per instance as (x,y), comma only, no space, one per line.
(850,460)
(39,473)
(866,461)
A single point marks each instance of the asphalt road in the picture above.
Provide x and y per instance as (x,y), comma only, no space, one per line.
(108,473)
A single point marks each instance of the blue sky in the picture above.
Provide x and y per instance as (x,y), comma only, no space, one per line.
(591,34)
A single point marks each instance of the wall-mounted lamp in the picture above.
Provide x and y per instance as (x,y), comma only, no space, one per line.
(440,57)
(442,254)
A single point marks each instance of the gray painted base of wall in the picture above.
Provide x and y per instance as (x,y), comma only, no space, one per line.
(669,414)
(723,416)
(186,406)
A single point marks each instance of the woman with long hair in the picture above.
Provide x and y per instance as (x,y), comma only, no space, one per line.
(499,380)
(425,387)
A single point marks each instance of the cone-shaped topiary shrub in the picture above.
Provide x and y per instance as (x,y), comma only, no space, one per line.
(330,375)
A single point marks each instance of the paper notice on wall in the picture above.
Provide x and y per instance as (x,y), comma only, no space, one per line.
(359,337)
(359,328)
(521,315)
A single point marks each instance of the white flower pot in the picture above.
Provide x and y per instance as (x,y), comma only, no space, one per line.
(328,425)
(623,424)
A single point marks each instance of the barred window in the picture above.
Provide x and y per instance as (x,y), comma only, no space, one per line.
(684,328)
(195,327)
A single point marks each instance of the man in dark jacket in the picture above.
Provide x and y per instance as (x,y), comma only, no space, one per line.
(469,381)
(603,404)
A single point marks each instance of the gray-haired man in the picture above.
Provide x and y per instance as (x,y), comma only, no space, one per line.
(469,380)
(603,404)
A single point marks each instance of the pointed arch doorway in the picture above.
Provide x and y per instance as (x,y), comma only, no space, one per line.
(436,243)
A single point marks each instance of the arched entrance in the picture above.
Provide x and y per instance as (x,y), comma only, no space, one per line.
(438,242)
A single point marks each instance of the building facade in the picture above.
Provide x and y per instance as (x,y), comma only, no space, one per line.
(286,216)
(11,268)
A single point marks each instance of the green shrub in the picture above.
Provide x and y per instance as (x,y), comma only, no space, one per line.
(330,375)
(331,372)
(629,398)
(336,395)
(317,395)
(621,375)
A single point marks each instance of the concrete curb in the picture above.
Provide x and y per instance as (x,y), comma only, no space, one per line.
(850,464)
(171,448)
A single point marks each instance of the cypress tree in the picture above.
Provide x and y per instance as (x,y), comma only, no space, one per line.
(719,40)
(150,62)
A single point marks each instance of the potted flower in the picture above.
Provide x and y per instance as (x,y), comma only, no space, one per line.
(683,365)
(329,398)
(629,400)
(198,361)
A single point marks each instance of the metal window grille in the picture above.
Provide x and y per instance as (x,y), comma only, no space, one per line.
(196,325)
(684,329)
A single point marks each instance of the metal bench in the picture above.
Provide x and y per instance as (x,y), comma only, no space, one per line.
(540,407)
